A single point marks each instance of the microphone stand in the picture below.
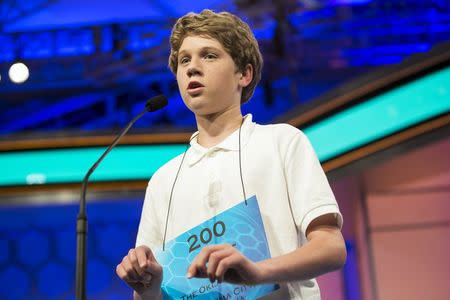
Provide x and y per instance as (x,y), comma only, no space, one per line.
(153,104)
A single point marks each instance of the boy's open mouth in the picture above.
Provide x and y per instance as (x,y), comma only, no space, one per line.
(194,87)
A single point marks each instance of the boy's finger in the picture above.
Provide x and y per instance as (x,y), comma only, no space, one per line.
(141,256)
(198,265)
(153,268)
(213,261)
(131,274)
(134,262)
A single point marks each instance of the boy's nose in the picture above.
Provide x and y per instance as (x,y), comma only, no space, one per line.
(193,71)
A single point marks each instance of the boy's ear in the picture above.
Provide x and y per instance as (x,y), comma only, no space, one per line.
(246,76)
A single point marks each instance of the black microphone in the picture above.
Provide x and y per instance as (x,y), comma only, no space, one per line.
(152,104)
(156,103)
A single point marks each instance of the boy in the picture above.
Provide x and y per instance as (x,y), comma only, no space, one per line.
(217,63)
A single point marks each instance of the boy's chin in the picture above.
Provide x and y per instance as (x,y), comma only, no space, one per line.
(204,111)
(200,106)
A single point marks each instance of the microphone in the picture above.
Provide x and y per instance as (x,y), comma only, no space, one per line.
(153,104)
(156,103)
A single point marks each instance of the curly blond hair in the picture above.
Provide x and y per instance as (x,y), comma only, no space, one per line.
(234,34)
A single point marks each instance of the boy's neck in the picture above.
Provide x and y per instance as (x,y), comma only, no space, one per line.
(213,129)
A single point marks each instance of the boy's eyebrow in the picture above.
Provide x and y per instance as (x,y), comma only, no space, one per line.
(203,49)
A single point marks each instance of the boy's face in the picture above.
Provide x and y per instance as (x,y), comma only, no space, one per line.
(207,76)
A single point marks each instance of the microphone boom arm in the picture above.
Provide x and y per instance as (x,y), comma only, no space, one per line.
(153,104)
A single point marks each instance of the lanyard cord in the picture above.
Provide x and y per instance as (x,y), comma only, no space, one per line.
(178,172)
(171,191)
(240,164)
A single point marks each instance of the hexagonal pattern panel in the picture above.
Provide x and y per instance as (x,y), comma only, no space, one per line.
(15,283)
(54,280)
(34,248)
(4,250)
(107,245)
(42,265)
(99,274)
(66,244)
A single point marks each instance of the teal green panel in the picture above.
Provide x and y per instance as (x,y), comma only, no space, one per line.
(380,116)
(70,165)
(375,118)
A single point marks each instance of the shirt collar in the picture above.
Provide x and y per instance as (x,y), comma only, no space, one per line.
(231,143)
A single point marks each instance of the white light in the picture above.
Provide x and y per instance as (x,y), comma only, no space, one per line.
(18,73)
(36,178)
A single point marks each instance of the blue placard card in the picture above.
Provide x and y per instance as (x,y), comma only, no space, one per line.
(242,226)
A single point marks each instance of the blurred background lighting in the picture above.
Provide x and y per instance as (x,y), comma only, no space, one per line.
(19,73)
(36,178)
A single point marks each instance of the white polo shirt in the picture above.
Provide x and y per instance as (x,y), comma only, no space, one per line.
(279,166)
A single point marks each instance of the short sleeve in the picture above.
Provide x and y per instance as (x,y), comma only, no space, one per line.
(149,231)
(309,192)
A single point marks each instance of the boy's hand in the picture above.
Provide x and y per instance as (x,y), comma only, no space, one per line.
(225,263)
(140,270)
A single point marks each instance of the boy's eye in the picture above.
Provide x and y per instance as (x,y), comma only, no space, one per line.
(184,60)
(210,56)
